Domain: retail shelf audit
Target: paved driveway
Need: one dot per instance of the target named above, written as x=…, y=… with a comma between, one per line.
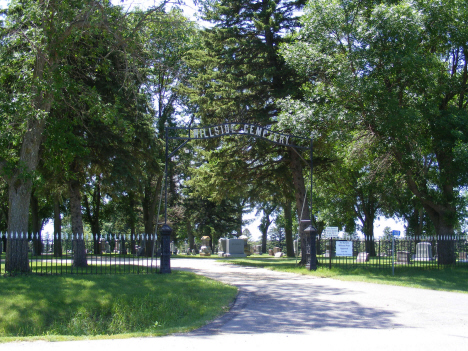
x=281, y=310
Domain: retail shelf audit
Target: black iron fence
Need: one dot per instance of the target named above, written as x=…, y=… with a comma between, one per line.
x=79, y=254
x=433, y=252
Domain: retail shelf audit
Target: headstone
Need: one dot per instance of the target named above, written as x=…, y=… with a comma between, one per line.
x=296, y=246
x=279, y=254
x=276, y=250
x=103, y=245
x=205, y=249
x=141, y=251
x=423, y=252
x=247, y=250
x=270, y=252
x=462, y=257
x=235, y=248
x=403, y=257
x=117, y=246
x=222, y=247
x=328, y=250
x=188, y=252
x=362, y=257
x=108, y=249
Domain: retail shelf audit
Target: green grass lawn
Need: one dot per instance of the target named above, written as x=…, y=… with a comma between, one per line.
x=448, y=279
x=96, y=306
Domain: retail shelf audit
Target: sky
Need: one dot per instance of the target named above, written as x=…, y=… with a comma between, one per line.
x=190, y=11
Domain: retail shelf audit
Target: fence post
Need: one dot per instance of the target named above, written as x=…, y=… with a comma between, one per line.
x=380, y=254
x=165, y=249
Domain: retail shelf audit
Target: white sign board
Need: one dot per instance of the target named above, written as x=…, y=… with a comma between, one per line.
x=330, y=232
x=344, y=248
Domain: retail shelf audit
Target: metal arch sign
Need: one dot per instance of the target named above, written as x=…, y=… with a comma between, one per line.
x=228, y=129
x=246, y=129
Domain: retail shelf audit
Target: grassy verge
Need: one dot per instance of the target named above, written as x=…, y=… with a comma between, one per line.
x=447, y=279
x=99, y=306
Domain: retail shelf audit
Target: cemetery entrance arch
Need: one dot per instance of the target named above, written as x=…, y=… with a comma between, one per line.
x=186, y=134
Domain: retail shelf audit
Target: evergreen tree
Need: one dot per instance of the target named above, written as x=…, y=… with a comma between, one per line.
x=239, y=76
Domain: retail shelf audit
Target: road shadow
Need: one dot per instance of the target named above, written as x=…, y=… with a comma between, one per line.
x=268, y=303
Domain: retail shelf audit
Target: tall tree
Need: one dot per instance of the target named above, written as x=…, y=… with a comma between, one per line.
x=397, y=70
x=239, y=74
x=40, y=39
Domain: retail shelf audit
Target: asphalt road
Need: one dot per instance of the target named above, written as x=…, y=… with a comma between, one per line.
x=281, y=310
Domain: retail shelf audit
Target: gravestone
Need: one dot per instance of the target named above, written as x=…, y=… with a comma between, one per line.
x=423, y=252
x=103, y=244
x=328, y=251
x=258, y=249
x=403, y=257
x=205, y=249
x=235, y=248
x=222, y=247
x=276, y=250
x=362, y=257
x=140, y=250
x=462, y=257
x=270, y=252
x=279, y=254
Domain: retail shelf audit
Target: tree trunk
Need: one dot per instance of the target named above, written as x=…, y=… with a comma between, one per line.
x=302, y=206
x=445, y=230
x=18, y=214
x=19, y=195
x=92, y=216
x=132, y=220
x=265, y=224
x=369, y=236
x=78, y=244
x=150, y=201
x=36, y=227
x=191, y=238
x=239, y=221
x=288, y=229
x=264, y=240
x=20, y=182
x=57, y=228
